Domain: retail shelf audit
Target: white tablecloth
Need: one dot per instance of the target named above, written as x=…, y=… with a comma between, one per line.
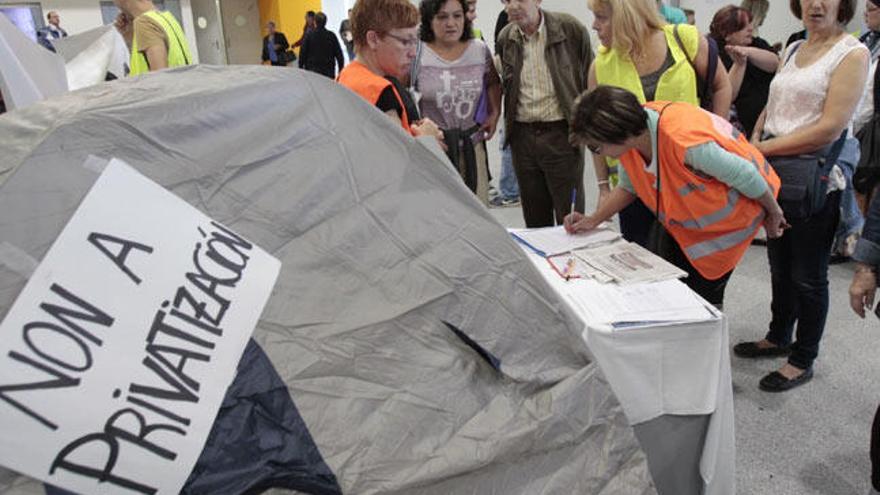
x=680, y=369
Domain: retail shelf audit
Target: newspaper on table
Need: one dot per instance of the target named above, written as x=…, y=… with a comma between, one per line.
x=628, y=263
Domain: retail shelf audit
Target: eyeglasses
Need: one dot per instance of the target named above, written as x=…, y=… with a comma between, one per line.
x=595, y=148
x=406, y=42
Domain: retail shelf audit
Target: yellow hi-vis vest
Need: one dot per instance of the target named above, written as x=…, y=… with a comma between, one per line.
x=178, y=50
x=677, y=83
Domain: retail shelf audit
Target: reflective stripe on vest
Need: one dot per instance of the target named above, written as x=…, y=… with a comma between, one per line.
x=178, y=49
x=678, y=82
x=705, y=220
x=724, y=242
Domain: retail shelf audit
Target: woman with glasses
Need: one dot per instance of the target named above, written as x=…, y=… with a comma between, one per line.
x=655, y=61
x=385, y=34
x=707, y=185
x=458, y=88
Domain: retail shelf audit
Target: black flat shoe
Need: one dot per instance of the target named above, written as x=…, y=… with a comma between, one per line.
x=751, y=350
x=759, y=241
x=777, y=382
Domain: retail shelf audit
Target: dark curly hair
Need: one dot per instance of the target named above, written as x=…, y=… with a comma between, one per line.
x=845, y=12
x=429, y=9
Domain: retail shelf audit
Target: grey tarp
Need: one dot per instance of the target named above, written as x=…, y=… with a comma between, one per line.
x=408, y=346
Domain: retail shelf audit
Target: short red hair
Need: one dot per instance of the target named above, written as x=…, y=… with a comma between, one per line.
x=381, y=16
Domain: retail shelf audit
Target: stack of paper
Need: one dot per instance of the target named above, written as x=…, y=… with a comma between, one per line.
x=653, y=304
x=555, y=240
x=628, y=263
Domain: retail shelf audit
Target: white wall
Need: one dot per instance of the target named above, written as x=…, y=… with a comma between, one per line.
x=81, y=15
x=778, y=24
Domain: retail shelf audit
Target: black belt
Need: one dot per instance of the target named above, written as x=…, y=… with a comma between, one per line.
x=458, y=141
x=547, y=125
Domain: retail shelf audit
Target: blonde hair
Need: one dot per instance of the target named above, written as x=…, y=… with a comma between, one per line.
x=632, y=21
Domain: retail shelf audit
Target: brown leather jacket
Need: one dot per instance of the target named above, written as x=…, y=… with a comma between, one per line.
x=568, y=56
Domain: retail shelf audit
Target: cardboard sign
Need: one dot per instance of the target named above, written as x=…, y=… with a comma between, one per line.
x=116, y=356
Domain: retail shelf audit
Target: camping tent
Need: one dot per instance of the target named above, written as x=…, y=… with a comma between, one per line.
x=408, y=346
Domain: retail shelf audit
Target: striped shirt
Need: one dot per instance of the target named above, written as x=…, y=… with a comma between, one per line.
x=537, y=97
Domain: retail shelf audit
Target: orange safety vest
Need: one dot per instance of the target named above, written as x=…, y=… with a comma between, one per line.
x=358, y=78
x=712, y=222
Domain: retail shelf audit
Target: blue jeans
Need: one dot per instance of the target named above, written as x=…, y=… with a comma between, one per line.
x=851, y=219
x=799, y=275
x=507, y=184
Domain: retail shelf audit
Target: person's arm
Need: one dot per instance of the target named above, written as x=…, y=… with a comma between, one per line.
x=765, y=60
x=493, y=88
x=844, y=92
x=721, y=90
x=302, y=38
x=157, y=57
x=281, y=42
x=152, y=42
x=340, y=58
x=758, y=131
x=739, y=174
x=737, y=70
x=587, y=56
x=867, y=257
x=619, y=199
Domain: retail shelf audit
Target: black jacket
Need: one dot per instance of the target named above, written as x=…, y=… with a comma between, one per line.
x=280, y=40
x=319, y=50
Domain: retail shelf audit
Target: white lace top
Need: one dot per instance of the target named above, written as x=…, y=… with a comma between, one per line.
x=797, y=94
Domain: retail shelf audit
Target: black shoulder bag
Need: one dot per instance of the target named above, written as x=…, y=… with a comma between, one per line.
x=704, y=85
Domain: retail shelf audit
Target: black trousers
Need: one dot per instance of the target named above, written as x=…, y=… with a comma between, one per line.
x=665, y=246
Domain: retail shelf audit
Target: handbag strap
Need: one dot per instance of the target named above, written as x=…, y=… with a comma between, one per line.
x=703, y=88
x=415, y=67
x=657, y=157
x=833, y=154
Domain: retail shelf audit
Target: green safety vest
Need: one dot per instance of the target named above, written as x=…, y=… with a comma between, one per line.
x=178, y=49
x=677, y=83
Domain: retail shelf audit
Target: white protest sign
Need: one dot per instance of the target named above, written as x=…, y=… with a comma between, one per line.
x=115, y=357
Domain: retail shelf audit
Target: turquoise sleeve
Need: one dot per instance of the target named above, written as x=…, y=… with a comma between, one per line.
x=735, y=171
